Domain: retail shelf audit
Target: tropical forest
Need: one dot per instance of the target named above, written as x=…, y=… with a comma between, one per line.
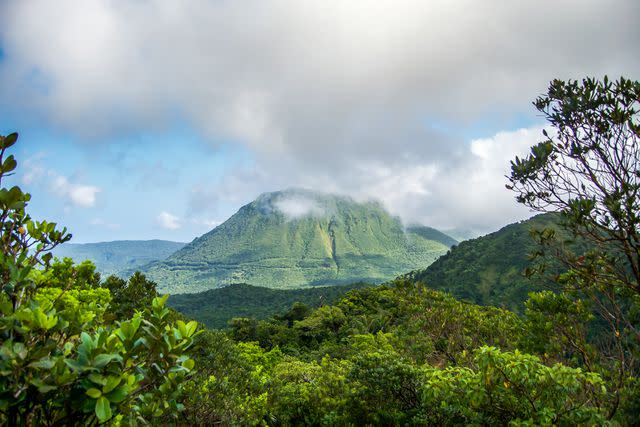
x=535, y=324
x=340, y=213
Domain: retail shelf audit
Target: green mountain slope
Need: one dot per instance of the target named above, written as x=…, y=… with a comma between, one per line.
x=488, y=270
x=118, y=256
x=298, y=238
x=217, y=306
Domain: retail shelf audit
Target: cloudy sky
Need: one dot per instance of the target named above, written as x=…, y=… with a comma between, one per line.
x=159, y=119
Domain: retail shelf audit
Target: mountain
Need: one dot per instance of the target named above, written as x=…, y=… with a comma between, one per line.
x=217, y=306
x=121, y=256
x=297, y=238
x=488, y=270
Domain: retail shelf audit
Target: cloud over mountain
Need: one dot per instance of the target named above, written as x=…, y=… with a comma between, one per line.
x=369, y=98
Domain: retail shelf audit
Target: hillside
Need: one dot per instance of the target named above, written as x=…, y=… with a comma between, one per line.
x=296, y=238
x=488, y=270
x=118, y=256
x=216, y=306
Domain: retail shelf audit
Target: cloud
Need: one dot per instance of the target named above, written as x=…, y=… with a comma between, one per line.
x=314, y=74
x=32, y=169
x=33, y=172
x=467, y=192
x=79, y=195
x=357, y=97
x=168, y=221
x=298, y=206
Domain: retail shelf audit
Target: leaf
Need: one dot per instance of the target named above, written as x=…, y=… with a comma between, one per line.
x=87, y=341
x=118, y=394
x=112, y=382
x=103, y=409
x=189, y=364
x=44, y=363
x=191, y=328
x=97, y=379
x=10, y=139
x=102, y=360
x=9, y=164
x=93, y=393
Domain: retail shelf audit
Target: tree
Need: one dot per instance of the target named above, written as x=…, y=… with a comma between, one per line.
x=588, y=168
x=130, y=296
x=61, y=363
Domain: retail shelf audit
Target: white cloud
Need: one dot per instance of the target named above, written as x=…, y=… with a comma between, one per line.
x=328, y=95
x=468, y=192
x=79, y=195
x=32, y=169
x=306, y=74
x=168, y=221
x=298, y=206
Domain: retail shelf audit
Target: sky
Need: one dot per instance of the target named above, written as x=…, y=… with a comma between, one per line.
x=159, y=119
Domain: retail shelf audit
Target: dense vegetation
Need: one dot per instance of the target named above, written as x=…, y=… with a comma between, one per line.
x=401, y=354
x=216, y=307
x=490, y=270
x=118, y=257
x=78, y=350
x=296, y=238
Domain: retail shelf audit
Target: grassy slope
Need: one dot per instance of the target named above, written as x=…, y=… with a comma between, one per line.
x=117, y=256
x=216, y=306
x=259, y=245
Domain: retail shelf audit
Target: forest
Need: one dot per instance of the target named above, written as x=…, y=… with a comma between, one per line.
x=77, y=348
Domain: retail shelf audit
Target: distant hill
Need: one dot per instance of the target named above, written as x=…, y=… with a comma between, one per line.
x=432, y=234
x=121, y=256
x=297, y=238
x=488, y=270
x=217, y=306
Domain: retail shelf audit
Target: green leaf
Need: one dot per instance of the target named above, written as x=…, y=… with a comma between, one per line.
x=191, y=328
x=97, y=379
x=118, y=394
x=112, y=382
x=9, y=140
x=103, y=409
x=87, y=341
x=94, y=393
x=189, y=364
x=9, y=164
x=102, y=360
x=44, y=363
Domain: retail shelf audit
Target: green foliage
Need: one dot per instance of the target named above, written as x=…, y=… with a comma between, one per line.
x=216, y=307
x=61, y=362
x=130, y=296
x=427, y=364
x=343, y=242
x=588, y=169
x=489, y=270
x=231, y=387
x=556, y=327
x=511, y=388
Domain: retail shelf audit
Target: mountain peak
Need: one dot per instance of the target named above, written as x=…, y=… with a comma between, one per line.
x=296, y=203
x=298, y=237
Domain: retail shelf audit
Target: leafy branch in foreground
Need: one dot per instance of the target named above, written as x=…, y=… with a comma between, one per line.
x=61, y=362
x=588, y=169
